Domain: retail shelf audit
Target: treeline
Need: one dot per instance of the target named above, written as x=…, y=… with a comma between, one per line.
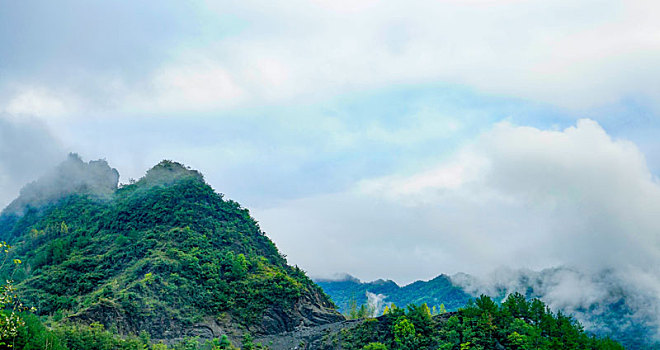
x=516, y=324
x=368, y=310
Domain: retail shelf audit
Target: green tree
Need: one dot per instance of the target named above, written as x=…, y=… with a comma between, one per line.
x=248, y=344
x=404, y=334
x=375, y=346
x=225, y=343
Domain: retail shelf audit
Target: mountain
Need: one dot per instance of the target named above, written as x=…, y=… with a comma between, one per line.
x=439, y=291
x=603, y=303
x=165, y=255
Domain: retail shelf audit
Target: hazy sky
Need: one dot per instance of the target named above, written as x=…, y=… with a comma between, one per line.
x=380, y=138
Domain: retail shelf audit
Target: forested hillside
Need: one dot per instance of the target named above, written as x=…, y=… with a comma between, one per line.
x=165, y=255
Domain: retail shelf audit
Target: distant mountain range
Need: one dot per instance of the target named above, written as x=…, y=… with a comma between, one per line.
x=437, y=292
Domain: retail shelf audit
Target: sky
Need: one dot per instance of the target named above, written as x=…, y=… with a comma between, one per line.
x=385, y=139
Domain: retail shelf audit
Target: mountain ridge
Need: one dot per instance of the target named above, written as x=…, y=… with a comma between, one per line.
x=437, y=292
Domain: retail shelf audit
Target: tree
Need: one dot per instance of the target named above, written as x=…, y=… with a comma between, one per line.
x=517, y=306
x=225, y=343
x=404, y=334
x=247, y=342
x=386, y=310
x=421, y=318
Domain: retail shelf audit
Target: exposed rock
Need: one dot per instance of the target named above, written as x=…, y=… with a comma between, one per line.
x=309, y=311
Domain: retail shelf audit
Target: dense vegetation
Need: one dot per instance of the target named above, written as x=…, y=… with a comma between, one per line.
x=157, y=255
x=482, y=324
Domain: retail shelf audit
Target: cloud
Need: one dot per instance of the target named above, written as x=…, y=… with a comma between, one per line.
x=27, y=150
x=514, y=200
x=36, y=101
x=570, y=54
x=596, y=194
x=586, y=54
x=71, y=176
x=516, y=196
x=194, y=85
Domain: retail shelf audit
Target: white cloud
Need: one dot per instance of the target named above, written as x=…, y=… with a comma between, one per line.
x=192, y=85
x=574, y=54
x=571, y=54
x=418, y=188
x=609, y=302
x=516, y=196
x=38, y=101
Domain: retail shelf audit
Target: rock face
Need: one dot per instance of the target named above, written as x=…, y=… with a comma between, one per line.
x=309, y=311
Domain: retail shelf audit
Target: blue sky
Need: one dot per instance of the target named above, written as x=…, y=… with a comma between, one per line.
x=354, y=129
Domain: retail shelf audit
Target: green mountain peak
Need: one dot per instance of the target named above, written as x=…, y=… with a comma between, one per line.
x=166, y=255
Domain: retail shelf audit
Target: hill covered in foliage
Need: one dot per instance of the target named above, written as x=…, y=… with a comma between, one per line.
x=166, y=255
